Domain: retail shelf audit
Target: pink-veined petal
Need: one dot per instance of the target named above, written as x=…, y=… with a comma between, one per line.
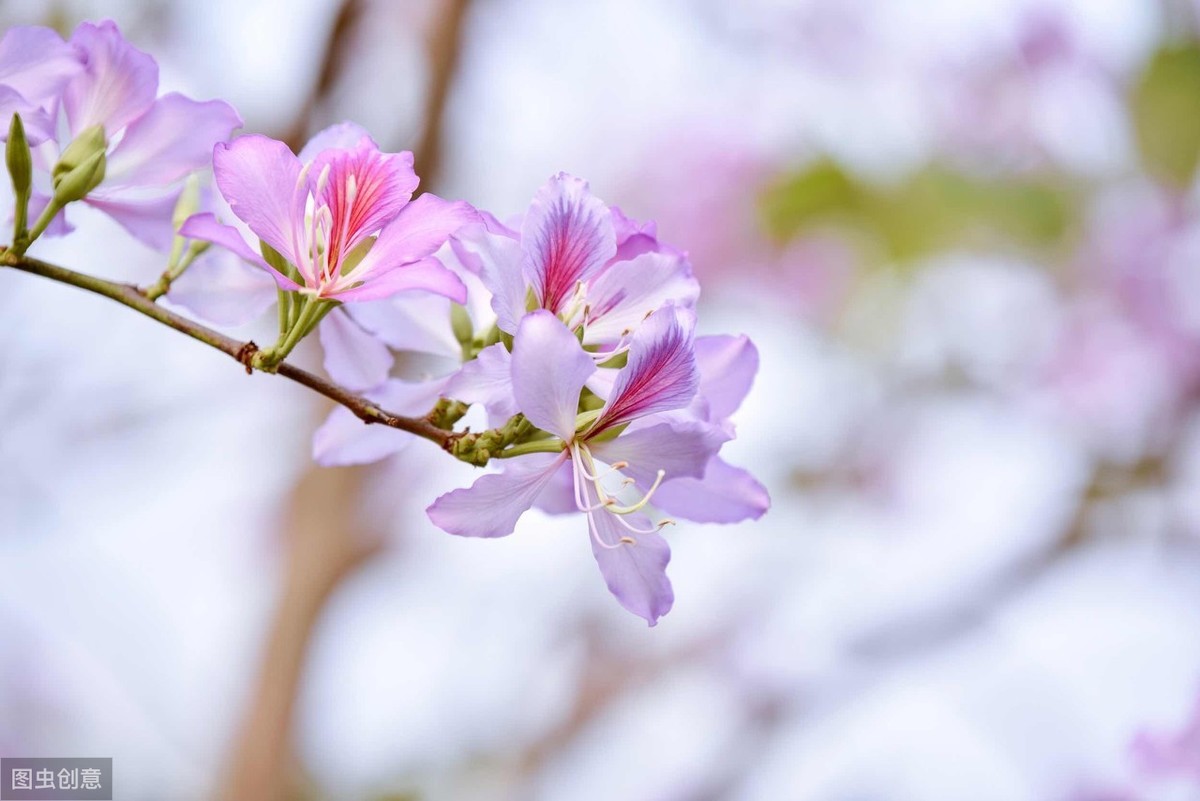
x=206, y=228
x=487, y=379
x=364, y=190
x=726, y=494
x=427, y=275
x=173, y=138
x=345, y=440
x=549, y=369
x=353, y=357
x=258, y=178
x=636, y=573
x=148, y=220
x=492, y=505
x=566, y=237
x=118, y=82
x=223, y=289
x=622, y=296
x=35, y=62
x=660, y=374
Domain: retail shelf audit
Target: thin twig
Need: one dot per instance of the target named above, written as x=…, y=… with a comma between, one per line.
x=243, y=352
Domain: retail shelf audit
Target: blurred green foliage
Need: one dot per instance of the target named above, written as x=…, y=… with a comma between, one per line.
x=931, y=209
x=1165, y=106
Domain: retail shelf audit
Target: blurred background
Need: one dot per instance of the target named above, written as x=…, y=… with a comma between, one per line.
x=964, y=235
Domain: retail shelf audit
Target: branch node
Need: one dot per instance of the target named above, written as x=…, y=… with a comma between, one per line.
x=245, y=355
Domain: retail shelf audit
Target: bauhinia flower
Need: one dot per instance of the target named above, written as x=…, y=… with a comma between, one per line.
x=125, y=151
x=549, y=373
x=335, y=224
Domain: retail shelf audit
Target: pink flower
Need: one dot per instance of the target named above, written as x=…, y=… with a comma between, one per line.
x=340, y=215
x=35, y=64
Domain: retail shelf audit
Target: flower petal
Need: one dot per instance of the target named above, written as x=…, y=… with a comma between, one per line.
x=678, y=448
x=417, y=231
x=487, y=379
x=353, y=357
x=494, y=503
x=149, y=221
x=621, y=297
x=727, y=367
x=636, y=573
x=414, y=321
x=35, y=62
x=117, y=85
x=726, y=494
x=175, y=137
x=38, y=124
x=566, y=237
x=661, y=372
x=427, y=275
x=258, y=177
x=345, y=440
x=206, y=228
x=221, y=288
x=339, y=136
x=633, y=238
x=497, y=259
x=549, y=369
x=59, y=226
x=364, y=190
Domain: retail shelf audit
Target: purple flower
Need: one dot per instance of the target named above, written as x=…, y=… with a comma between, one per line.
x=35, y=65
x=588, y=264
x=340, y=215
x=549, y=370
x=148, y=144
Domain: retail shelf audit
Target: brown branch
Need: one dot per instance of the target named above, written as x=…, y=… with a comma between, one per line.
x=333, y=64
x=134, y=298
x=444, y=49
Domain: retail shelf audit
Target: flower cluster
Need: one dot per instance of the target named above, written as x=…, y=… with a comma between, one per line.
x=574, y=328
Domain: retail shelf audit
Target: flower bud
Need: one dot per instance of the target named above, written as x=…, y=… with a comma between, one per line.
x=76, y=184
x=83, y=149
x=18, y=158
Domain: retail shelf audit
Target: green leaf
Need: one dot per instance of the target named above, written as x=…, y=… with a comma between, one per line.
x=1166, y=113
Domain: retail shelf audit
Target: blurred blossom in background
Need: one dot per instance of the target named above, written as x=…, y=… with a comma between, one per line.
x=965, y=237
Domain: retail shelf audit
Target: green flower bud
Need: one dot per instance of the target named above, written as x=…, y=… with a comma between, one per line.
x=76, y=184
x=83, y=149
x=18, y=158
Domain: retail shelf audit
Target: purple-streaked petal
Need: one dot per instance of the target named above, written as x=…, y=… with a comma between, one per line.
x=221, y=288
x=567, y=236
x=427, y=275
x=206, y=228
x=621, y=297
x=364, y=190
x=35, y=62
x=353, y=357
x=726, y=494
x=117, y=85
x=661, y=373
x=487, y=379
x=175, y=137
x=636, y=573
x=727, y=367
x=494, y=503
x=345, y=440
x=258, y=178
x=339, y=136
x=679, y=449
x=148, y=220
x=497, y=258
x=549, y=369
x=417, y=232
